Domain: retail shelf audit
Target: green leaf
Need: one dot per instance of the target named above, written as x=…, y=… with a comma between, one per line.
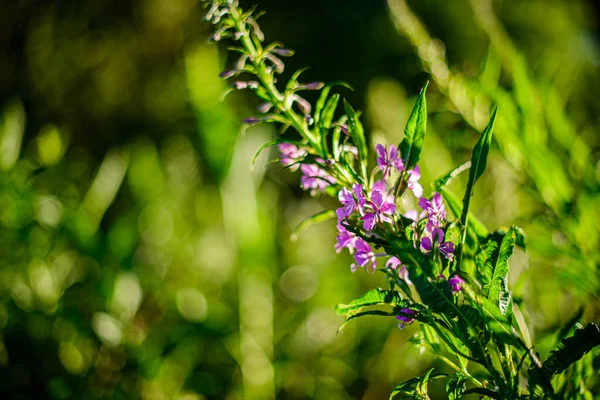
x=319, y=217
x=358, y=136
x=407, y=387
x=323, y=124
x=320, y=107
x=493, y=267
x=499, y=324
x=569, y=351
x=264, y=146
x=291, y=85
x=478, y=164
x=414, y=132
x=371, y=298
x=456, y=386
x=367, y=312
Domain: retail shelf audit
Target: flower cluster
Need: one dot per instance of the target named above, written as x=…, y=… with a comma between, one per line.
x=428, y=282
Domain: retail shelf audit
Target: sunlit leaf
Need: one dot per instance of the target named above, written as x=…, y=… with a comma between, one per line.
x=414, y=132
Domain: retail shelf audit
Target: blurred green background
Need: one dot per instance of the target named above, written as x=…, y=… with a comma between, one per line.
x=142, y=257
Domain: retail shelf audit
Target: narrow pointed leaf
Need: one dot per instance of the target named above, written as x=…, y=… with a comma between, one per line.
x=264, y=146
x=320, y=107
x=371, y=298
x=414, y=132
x=358, y=136
x=478, y=164
x=315, y=219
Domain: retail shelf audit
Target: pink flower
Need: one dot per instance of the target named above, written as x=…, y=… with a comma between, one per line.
x=456, y=283
x=406, y=317
x=435, y=210
x=291, y=155
x=435, y=239
x=388, y=160
x=377, y=210
x=365, y=257
x=349, y=203
x=345, y=239
x=315, y=178
x=413, y=181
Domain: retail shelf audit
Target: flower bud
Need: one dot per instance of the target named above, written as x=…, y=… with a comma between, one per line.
x=264, y=107
x=303, y=105
x=283, y=52
x=227, y=74
x=252, y=120
x=313, y=86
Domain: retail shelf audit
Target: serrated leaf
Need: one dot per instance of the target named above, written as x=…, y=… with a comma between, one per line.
x=315, y=219
x=493, y=267
x=478, y=164
x=414, y=132
x=456, y=386
x=568, y=352
x=500, y=324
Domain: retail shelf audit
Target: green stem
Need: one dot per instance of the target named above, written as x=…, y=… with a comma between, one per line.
x=267, y=81
x=461, y=370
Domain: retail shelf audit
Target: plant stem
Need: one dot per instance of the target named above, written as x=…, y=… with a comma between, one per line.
x=461, y=370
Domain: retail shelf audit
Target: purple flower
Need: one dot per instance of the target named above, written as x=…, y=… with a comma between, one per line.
x=434, y=208
x=413, y=181
x=290, y=155
x=349, y=205
x=387, y=160
x=345, y=239
x=406, y=317
x=365, y=257
x=393, y=263
x=377, y=210
x=456, y=283
x=315, y=178
x=436, y=237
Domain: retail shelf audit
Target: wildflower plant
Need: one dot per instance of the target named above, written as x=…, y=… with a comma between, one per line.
x=445, y=270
